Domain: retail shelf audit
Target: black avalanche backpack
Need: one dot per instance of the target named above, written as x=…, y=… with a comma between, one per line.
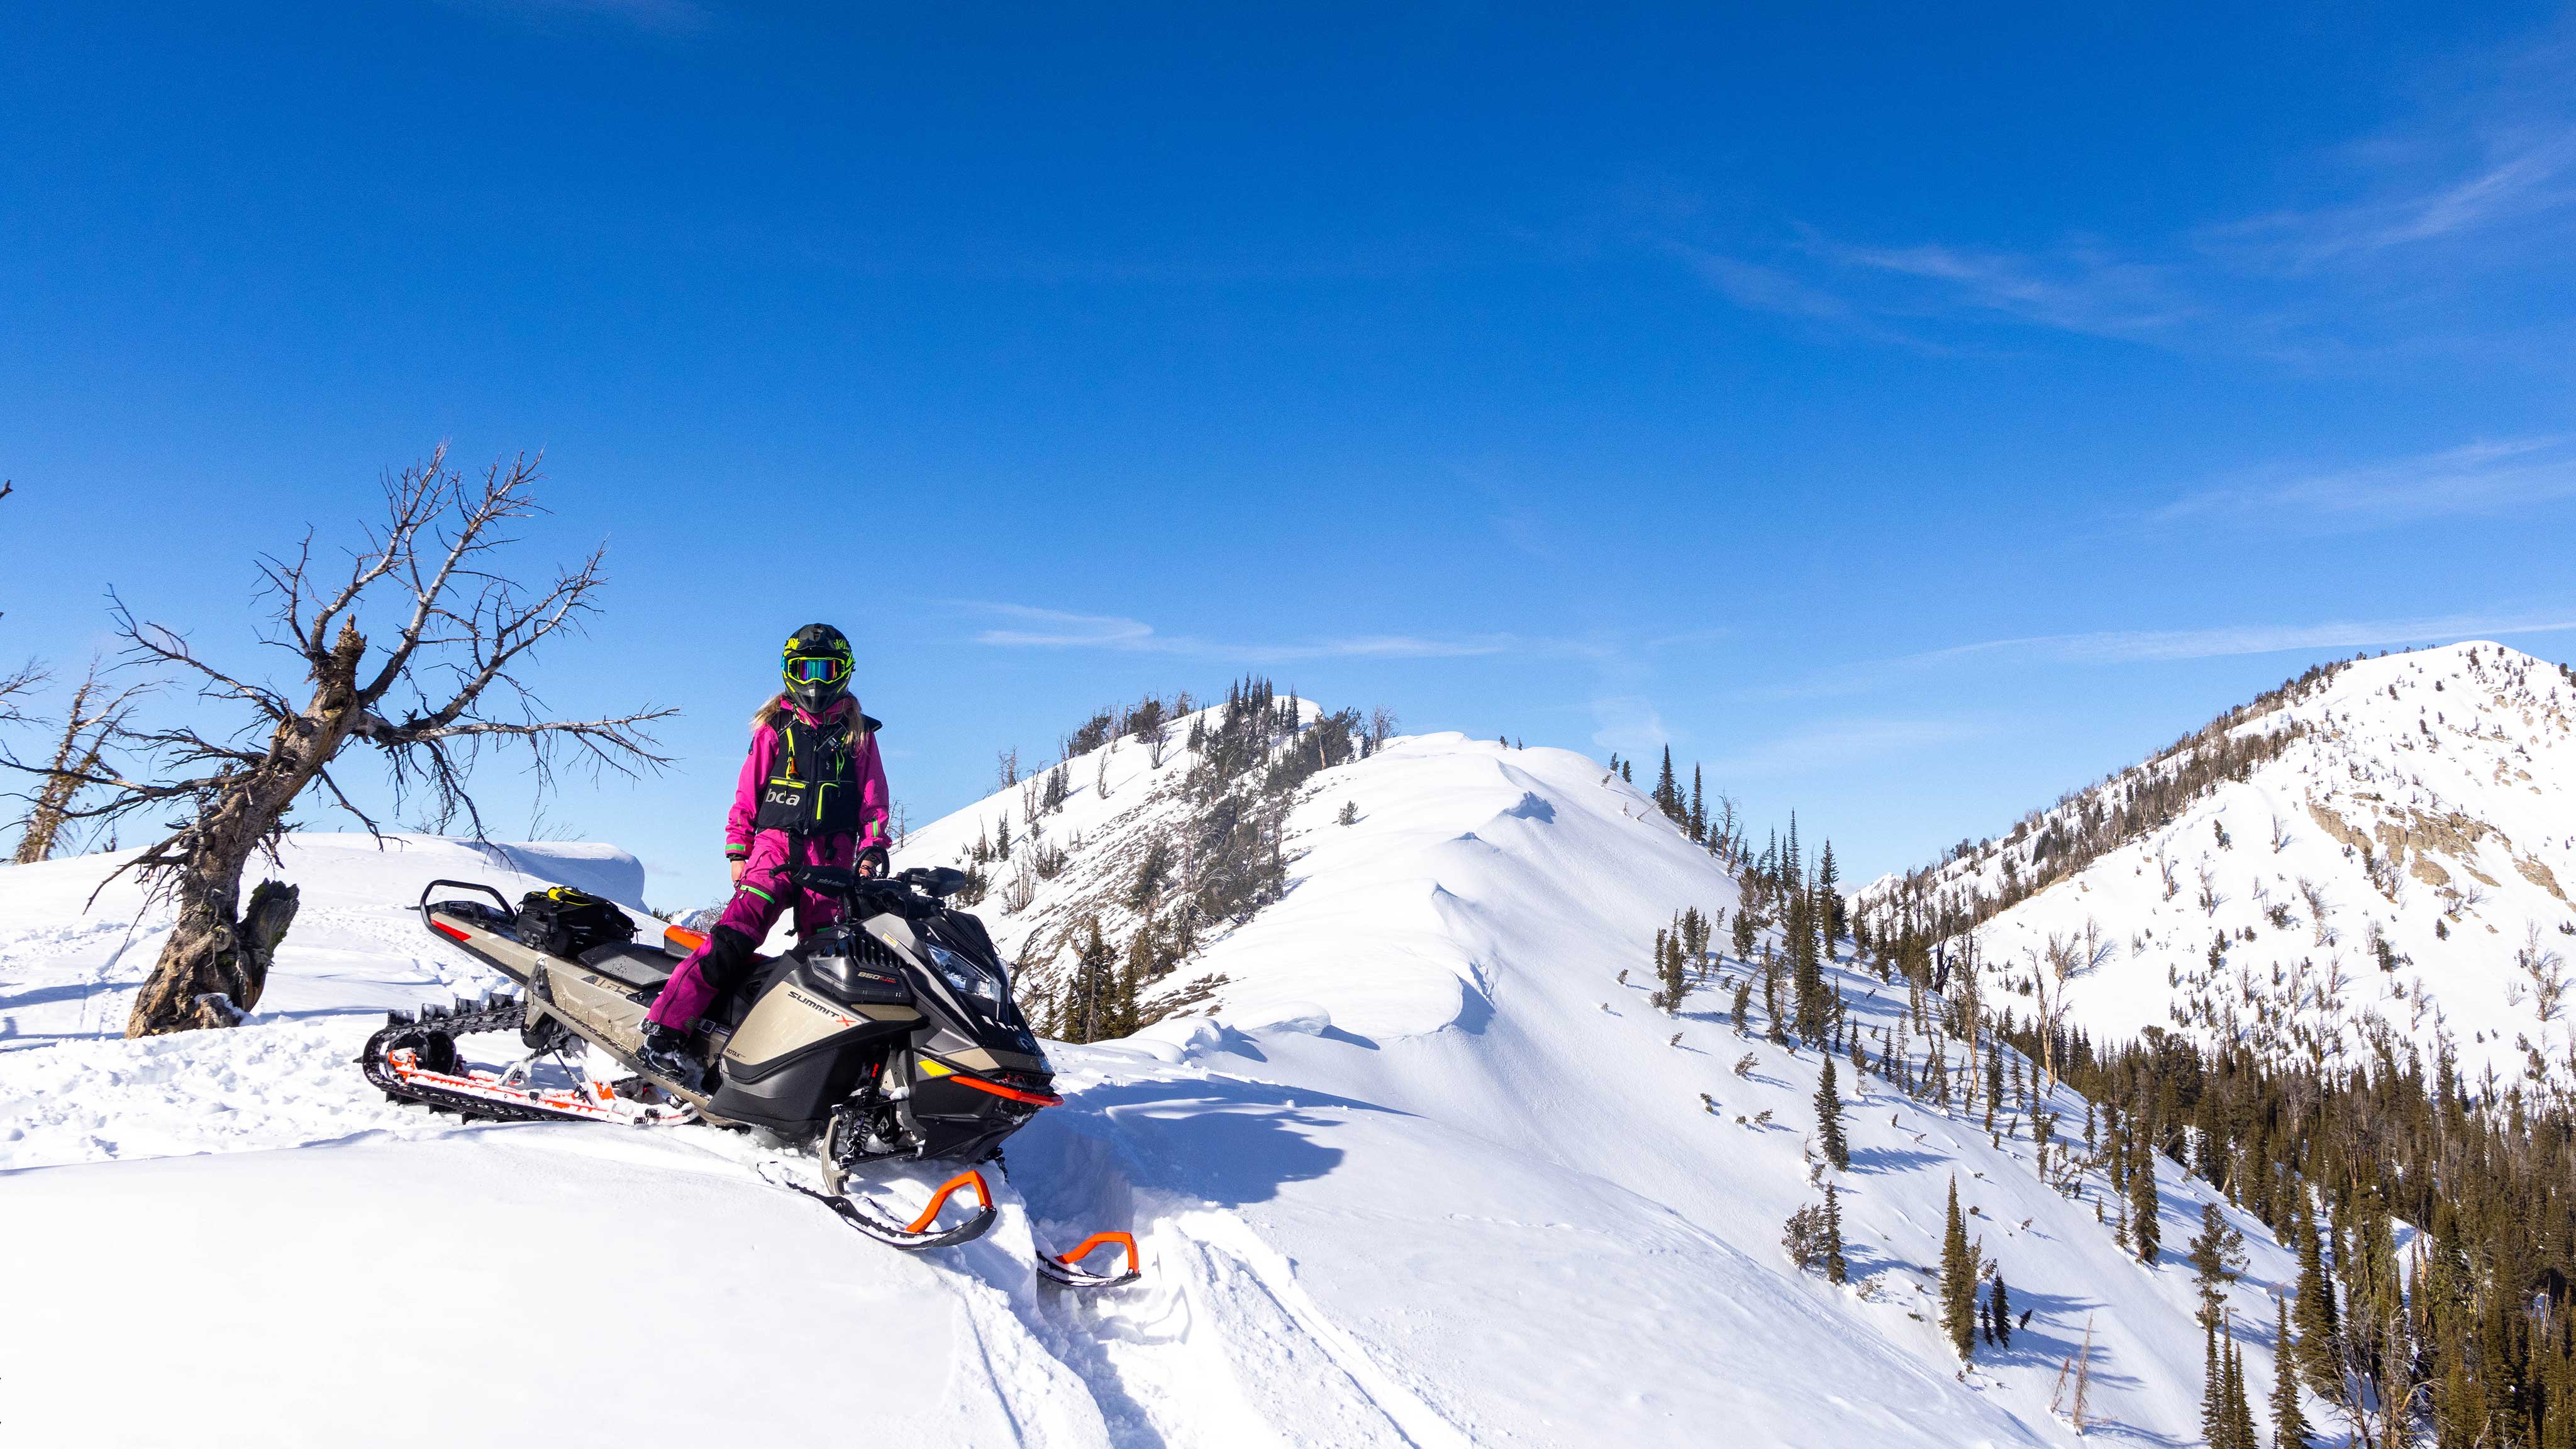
x=565, y=922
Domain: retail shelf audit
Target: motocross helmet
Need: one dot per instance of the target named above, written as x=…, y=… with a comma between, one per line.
x=816, y=666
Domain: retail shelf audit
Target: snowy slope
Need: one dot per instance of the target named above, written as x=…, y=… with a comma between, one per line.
x=1429, y=1174
x=2430, y=801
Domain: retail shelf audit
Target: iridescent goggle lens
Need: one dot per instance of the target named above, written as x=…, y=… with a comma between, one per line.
x=817, y=670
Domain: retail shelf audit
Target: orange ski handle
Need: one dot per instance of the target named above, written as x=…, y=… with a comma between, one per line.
x=969, y=1178
x=1097, y=1241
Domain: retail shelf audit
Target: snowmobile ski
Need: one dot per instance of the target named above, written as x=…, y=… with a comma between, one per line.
x=922, y=1232
x=1066, y=1269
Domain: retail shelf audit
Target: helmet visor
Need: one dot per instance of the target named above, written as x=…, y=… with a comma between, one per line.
x=817, y=669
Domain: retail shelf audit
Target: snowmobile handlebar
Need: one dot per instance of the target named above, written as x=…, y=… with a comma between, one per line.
x=831, y=880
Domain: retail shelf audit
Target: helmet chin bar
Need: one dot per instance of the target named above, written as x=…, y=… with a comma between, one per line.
x=816, y=698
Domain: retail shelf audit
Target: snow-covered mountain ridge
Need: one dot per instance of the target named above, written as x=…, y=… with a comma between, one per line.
x=2384, y=856
x=1421, y=1168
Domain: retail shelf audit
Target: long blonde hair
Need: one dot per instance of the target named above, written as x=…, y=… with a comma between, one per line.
x=768, y=715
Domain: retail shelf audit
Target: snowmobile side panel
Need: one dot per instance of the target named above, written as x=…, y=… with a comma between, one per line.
x=790, y=1019
x=600, y=1004
x=794, y=1097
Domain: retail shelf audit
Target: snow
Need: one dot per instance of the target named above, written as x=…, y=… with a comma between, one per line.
x=1426, y=1173
x=2468, y=769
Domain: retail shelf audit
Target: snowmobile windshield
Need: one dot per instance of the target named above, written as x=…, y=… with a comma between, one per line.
x=966, y=976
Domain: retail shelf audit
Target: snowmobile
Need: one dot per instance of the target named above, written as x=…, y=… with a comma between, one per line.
x=889, y=1035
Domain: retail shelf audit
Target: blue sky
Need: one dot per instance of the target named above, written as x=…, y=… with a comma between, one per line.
x=1909, y=415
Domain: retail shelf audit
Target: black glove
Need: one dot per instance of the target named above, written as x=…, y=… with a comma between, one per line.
x=872, y=862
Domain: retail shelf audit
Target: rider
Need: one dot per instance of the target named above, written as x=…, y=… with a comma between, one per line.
x=812, y=792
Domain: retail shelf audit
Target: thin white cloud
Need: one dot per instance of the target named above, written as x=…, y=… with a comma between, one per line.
x=1035, y=628
x=2081, y=288
x=2480, y=184
x=2481, y=478
x=2536, y=176
x=1629, y=725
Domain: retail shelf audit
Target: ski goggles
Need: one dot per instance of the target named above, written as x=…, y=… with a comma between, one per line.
x=817, y=669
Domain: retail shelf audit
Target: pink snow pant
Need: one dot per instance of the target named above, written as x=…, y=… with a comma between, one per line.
x=715, y=967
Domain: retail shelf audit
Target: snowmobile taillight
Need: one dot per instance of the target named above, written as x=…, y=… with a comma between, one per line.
x=681, y=941
x=453, y=933
x=1098, y=1241
x=969, y=1178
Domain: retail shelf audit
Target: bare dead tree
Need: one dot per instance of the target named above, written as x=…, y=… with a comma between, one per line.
x=94, y=716
x=15, y=687
x=2067, y=959
x=464, y=635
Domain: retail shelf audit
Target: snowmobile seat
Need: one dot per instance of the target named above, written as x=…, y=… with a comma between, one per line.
x=644, y=968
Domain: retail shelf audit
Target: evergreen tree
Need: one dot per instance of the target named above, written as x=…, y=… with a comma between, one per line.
x=1743, y=1008
x=2144, y=1231
x=1772, y=1027
x=2240, y=1413
x=1672, y=964
x=1139, y=969
x=2214, y=1426
x=2289, y=1425
x=1958, y=1281
x=1097, y=968
x=1829, y=1119
x=1829, y=901
x=2217, y=1256
x=2318, y=1361
x=1698, y=810
x=1668, y=791
x=2000, y=1302
x=1835, y=1271
x=1994, y=1079
x=1807, y=979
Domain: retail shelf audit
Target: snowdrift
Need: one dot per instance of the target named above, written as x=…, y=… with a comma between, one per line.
x=1422, y=1170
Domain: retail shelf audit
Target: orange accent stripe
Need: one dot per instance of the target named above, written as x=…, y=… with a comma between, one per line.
x=969, y=1178
x=684, y=938
x=1097, y=1241
x=1041, y=1099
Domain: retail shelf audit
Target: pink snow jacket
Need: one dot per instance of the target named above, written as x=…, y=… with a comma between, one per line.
x=764, y=851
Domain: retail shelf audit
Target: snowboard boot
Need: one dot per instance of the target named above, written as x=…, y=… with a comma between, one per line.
x=665, y=1054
